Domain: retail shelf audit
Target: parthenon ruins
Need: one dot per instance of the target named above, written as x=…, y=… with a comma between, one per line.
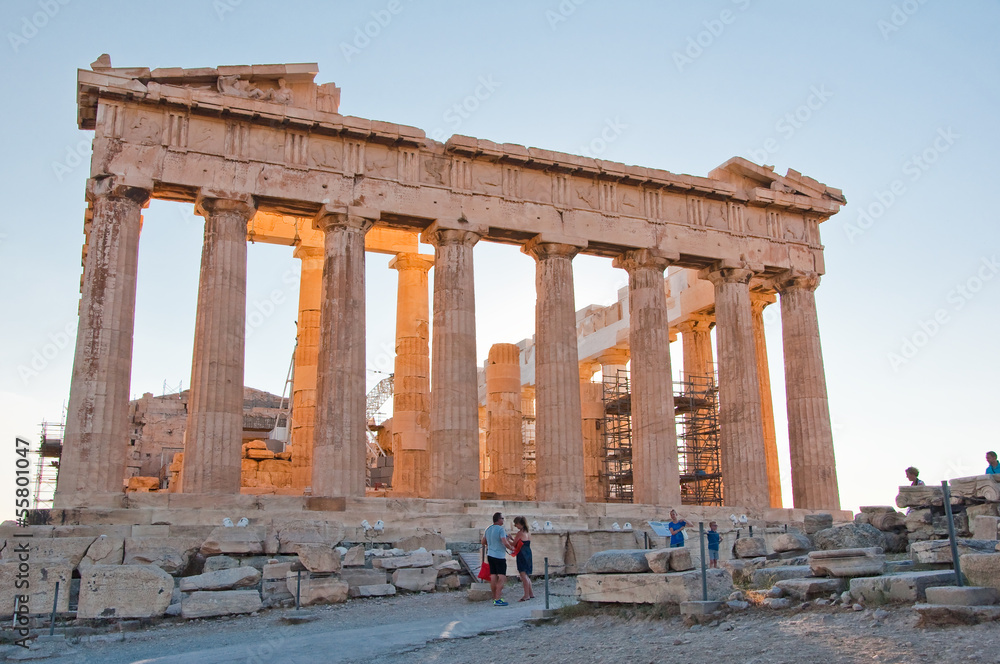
x=261, y=151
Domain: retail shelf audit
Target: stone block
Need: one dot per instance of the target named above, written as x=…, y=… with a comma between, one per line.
x=963, y=595
x=920, y=496
x=849, y=536
x=140, y=483
x=938, y=552
x=69, y=550
x=451, y=582
x=276, y=570
x=223, y=579
x=415, y=579
x=378, y=590
x=658, y=560
x=581, y=545
x=42, y=578
x=750, y=547
x=355, y=557
x=699, y=608
x=441, y=556
x=742, y=571
x=868, y=561
x=620, y=561
x=918, y=519
x=319, y=558
x=777, y=603
x=206, y=604
x=480, y=592
x=423, y=539
x=811, y=588
x=318, y=590
x=986, y=509
x=877, y=509
x=768, y=576
x=449, y=568
x=259, y=454
x=215, y=563
x=814, y=523
x=905, y=587
x=555, y=547
x=234, y=541
x=985, y=527
x=124, y=591
x=651, y=588
x=786, y=542
x=416, y=559
x=937, y=615
x=171, y=554
x=304, y=531
x=104, y=551
x=363, y=577
x=680, y=560
x=982, y=569
x=888, y=521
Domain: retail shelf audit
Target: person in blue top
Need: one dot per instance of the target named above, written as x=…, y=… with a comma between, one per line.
x=714, y=538
x=676, y=527
x=994, y=467
x=497, y=544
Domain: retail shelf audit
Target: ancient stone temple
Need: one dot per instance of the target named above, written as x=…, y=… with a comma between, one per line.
x=262, y=150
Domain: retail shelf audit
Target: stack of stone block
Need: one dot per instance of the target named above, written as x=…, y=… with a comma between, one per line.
x=262, y=468
x=971, y=497
x=640, y=576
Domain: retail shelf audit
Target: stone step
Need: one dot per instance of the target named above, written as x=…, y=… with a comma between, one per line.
x=963, y=596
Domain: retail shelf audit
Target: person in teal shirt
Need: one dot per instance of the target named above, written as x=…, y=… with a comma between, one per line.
x=994, y=467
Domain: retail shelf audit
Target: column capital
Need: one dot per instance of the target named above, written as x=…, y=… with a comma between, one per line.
x=349, y=217
x=730, y=272
x=614, y=356
x=114, y=187
x=211, y=202
x=790, y=280
x=700, y=324
x=438, y=236
x=588, y=369
x=654, y=258
x=304, y=251
x=410, y=261
x=759, y=299
x=545, y=245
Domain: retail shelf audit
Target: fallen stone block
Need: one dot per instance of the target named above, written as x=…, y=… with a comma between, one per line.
x=124, y=591
x=355, y=557
x=985, y=527
x=921, y=496
x=648, y=588
x=104, y=551
x=41, y=579
x=982, y=569
x=680, y=560
x=937, y=615
x=379, y=590
x=171, y=554
x=963, y=596
x=788, y=542
x=658, y=560
x=450, y=568
x=814, y=523
x=318, y=590
x=319, y=558
x=415, y=579
x=479, y=592
x=617, y=561
x=206, y=604
x=416, y=559
x=441, y=556
x=750, y=547
x=223, y=579
x=848, y=562
x=699, y=608
x=811, y=588
x=302, y=531
x=234, y=541
x=768, y=576
x=445, y=583
x=68, y=550
x=939, y=551
x=849, y=536
x=905, y=587
x=426, y=540
x=215, y=563
x=363, y=577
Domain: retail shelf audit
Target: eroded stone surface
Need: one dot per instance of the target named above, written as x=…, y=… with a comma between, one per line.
x=124, y=591
x=104, y=551
x=320, y=558
x=652, y=588
x=848, y=562
x=234, y=541
x=206, y=604
x=224, y=579
x=319, y=590
x=905, y=587
x=621, y=561
x=415, y=579
x=171, y=554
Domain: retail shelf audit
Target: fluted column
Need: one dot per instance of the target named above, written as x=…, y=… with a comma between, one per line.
x=810, y=435
x=504, y=441
x=758, y=301
x=612, y=361
x=339, y=446
x=558, y=438
x=214, y=431
x=592, y=408
x=696, y=337
x=306, y=360
x=655, y=473
x=411, y=395
x=97, y=422
x=744, y=466
x=454, y=438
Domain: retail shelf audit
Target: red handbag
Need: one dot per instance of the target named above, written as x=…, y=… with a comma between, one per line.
x=517, y=547
x=484, y=571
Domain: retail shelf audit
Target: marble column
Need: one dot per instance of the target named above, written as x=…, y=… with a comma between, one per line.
x=411, y=395
x=306, y=360
x=612, y=361
x=504, y=440
x=810, y=434
x=592, y=409
x=97, y=422
x=214, y=435
x=744, y=466
x=454, y=437
x=758, y=301
x=655, y=473
x=696, y=340
x=339, y=440
x=558, y=438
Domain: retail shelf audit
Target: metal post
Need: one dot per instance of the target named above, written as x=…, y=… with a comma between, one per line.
x=951, y=532
x=546, y=584
x=55, y=603
x=645, y=540
x=298, y=588
x=704, y=572
x=751, y=530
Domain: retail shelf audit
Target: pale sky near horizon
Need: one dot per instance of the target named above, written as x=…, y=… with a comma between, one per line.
x=894, y=102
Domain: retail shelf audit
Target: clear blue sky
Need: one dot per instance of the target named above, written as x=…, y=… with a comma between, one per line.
x=902, y=118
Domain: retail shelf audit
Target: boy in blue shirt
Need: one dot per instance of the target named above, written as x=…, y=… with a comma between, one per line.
x=714, y=537
x=676, y=527
x=994, y=467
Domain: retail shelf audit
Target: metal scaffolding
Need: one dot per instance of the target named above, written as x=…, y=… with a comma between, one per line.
x=376, y=398
x=47, y=457
x=618, y=437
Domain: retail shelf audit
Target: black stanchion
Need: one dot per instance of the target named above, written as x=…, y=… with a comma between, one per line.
x=55, y=603
x=704, y=571
x=951, y=533
x=546, y=584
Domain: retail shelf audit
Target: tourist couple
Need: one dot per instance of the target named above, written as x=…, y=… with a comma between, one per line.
x=498, y=544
